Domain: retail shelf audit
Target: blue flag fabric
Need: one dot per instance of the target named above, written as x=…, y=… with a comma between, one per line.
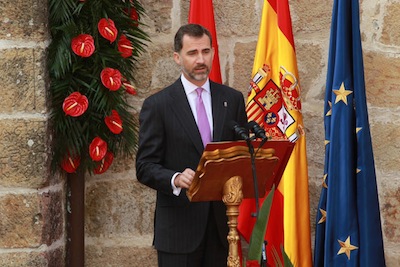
x=348, y=225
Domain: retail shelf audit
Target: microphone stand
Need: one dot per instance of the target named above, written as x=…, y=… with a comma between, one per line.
x=253, y=169
x=256, y=193
x=241, y=132
x=254, y=173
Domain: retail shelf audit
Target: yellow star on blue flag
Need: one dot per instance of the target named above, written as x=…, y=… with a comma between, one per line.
x=346, y=247
x=341, y=94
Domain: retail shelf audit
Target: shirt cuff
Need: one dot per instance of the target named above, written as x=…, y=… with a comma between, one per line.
x=175, y=190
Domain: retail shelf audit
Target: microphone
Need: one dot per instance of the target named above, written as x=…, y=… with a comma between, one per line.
x=244, y=134
x=257, y=130
x=239, y=131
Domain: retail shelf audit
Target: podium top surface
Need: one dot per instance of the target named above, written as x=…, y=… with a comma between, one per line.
x=223, y=160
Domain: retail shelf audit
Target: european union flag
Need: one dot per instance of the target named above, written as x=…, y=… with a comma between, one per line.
x=348, y=225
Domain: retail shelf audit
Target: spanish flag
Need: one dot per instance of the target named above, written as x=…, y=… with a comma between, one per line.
x=202, y=12
x=274, y=103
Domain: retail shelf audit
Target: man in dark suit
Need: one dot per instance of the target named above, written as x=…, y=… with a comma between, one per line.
x=170, y=146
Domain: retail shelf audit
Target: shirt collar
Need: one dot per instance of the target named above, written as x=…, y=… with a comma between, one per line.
x=190, y=87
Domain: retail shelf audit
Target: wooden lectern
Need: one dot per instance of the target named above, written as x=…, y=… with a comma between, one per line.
x=225, y=173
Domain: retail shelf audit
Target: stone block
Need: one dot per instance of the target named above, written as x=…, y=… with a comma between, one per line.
x=157, y=69
x=29, y=220
x=22, y=71
x=21, y=221
x=243, y=65
x=313, y=126
x=184, y=11
x=23, y=259
x=311, y=18
x=52, y=205
x=23, y=159
x=56, y=257
x=311, y=68
x=227, y=21
x=390, y=28
x=386, y=144
x=119, y=208
x=120, y=164
x=35, y=258
x=392, y=255
x=314, y=192
x=23, y=20
x=236, y=18
x=381, y=79
x=157, y=17
x=121, y=255
x=314, y=130
x=390, y=210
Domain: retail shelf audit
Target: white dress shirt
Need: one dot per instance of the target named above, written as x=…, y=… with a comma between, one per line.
x=190, y=90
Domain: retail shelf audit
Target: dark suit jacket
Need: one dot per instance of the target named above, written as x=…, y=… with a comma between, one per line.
x=169, y=142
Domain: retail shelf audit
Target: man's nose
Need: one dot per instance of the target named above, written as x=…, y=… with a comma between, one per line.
x=200, y=58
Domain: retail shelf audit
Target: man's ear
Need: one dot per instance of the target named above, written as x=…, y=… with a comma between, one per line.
x=177, y=58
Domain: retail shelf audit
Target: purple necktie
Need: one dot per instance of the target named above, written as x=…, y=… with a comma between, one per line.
x=202, y=121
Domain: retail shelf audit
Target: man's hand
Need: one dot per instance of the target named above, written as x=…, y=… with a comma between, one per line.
x=184, y=179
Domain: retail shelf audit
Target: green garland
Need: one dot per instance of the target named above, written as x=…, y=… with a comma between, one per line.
x=92, y=62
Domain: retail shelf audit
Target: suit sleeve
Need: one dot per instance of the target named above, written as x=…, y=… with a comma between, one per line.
x=149, y=158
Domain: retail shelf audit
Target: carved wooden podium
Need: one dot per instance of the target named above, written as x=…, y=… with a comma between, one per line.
x=225, y=173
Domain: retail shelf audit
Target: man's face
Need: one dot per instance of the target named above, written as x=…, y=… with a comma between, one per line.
x=195, y=58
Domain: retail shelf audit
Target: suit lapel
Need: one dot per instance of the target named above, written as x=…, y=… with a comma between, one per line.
x=219, y=106
x=183, y=114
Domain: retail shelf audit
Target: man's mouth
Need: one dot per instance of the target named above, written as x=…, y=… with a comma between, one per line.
x=202, y=67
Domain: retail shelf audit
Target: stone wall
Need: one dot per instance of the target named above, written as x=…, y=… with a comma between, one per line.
x=31, y=202
x=119, y=210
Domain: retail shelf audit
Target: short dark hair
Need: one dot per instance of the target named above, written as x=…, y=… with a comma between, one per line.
x=193, y=30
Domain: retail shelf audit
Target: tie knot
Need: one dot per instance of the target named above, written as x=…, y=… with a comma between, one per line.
x=199, y=91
